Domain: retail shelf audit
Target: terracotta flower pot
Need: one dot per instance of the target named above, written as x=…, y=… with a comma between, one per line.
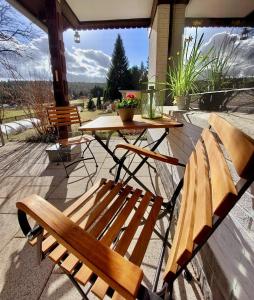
x=182, y=102
x=126, y=114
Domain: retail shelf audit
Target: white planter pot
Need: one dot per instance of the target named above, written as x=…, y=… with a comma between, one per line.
x=182, y=102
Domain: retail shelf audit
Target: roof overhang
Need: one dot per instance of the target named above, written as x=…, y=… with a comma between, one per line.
x=226, y=13
x=98, y=14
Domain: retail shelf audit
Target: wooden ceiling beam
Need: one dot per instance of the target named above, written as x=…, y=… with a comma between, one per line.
x=110, y=24
x=71, y=20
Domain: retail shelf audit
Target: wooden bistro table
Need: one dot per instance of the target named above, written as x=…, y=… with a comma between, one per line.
x=114, y=124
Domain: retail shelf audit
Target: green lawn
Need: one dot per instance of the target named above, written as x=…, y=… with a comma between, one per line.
x=13, y=112
x=85, y=116
x=16, y=112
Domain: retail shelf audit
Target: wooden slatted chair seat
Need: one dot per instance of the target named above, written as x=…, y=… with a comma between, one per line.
x=76, y=140
x=87, y=240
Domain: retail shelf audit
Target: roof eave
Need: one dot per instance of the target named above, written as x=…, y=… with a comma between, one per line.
x=28, y=14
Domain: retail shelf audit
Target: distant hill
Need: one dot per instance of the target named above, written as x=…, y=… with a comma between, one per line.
x=10, y=90
x=84, y=87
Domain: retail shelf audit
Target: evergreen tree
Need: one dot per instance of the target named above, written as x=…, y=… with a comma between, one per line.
x=135, y=77
x=90, y=104
x=96, y=91
x=118, y=75
x=139, y=77
x=98, y=104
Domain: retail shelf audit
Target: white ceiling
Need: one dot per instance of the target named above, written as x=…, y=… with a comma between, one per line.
x=219, y=8
x=95, y=10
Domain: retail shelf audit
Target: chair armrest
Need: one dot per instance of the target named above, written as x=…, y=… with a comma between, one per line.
x=118, y=272
x=149, y=153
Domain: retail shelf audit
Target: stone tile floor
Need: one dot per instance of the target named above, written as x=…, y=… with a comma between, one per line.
x=25, y=169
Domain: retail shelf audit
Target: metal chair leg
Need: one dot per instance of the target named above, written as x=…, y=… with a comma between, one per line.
x=88, y=146
x=81, y=292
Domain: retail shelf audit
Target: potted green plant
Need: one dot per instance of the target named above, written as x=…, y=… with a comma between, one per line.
x=185, y=70
x=126, y=108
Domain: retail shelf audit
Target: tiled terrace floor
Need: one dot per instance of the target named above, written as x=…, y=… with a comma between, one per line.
x=25, y=169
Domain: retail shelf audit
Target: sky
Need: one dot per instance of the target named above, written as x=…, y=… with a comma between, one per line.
x=89, y=61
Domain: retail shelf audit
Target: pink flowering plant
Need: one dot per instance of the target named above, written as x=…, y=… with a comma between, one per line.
x=129, y=102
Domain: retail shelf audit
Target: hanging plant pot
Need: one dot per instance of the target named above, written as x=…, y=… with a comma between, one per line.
x=182, y=102
x=126, y=114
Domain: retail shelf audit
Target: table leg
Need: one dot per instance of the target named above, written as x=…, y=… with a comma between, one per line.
x=117, y=160
x=125, y=139
x=138, y=138
x=155, y=146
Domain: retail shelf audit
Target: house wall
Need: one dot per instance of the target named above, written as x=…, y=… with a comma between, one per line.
x=158, y=44
x=225, y=266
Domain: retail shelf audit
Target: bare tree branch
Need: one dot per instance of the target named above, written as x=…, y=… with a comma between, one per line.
x=13, y=34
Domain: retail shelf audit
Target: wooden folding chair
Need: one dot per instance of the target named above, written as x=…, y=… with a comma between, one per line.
x=90, y=239
x=65, y=116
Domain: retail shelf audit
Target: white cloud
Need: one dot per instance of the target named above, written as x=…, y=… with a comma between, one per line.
x=242, y=64
x=82, y=64
x=87, y=64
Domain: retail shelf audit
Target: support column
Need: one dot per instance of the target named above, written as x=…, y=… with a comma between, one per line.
x=158, y=44
x=176, y=28
x=165, y=39
x=56, y=48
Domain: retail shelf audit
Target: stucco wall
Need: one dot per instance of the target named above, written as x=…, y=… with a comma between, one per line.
x=225, y=266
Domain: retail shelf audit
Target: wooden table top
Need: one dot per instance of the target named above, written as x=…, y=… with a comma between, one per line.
x=115, y=123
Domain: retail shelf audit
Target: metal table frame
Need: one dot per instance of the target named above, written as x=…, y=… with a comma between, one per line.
x=120, y=161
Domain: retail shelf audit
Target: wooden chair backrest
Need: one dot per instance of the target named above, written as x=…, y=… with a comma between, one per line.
x=209, y=192
x=63, y=116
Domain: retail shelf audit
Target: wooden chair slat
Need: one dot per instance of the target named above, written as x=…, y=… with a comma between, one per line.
x=50, y=241
x=102, y=205
x=61, y=107
x=100, y=287
x=186, y=241
x=107, y=216
x=64, y=119
x=72, y=208
x=129, y=232
x=58, y=114
x=143, y=240
x=239, y=146
x=66, y=123
x=63, y=110
x=90, y=218
x=59, y=251
x=171, y=266
x=84, y=274
x=100, y=188
x=224, y=193
x=113, y=231
x=203, y=210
